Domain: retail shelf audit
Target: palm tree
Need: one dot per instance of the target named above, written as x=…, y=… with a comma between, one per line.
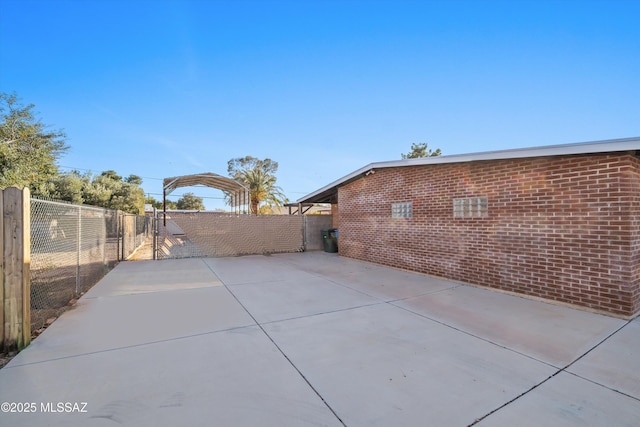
x=262, y=189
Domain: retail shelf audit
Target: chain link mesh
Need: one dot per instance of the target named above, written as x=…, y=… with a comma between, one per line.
x=72, y=248
x=136, y=231
x=200, y=234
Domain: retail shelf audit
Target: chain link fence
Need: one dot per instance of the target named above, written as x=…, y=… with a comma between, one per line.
x=72, y=248
x=136, y=231
x=184, y=234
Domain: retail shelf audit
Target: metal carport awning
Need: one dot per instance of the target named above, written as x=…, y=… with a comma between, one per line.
x=238, y=192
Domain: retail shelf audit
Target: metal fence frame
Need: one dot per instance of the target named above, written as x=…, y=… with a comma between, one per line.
x=136, y=229
x=188, y=234
x=72, y=248
x=53, y=252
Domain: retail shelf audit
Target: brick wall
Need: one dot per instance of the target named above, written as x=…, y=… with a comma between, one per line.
x=563, y=228
x=632, y=181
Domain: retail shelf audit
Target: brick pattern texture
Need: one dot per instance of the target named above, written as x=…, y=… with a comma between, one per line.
x=563, y=228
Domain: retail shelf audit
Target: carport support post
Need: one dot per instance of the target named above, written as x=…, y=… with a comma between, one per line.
x=164, y=206
x=79, y=250
x=16, y=262
x=304, y=229
x=124, y=233
x=155, y=234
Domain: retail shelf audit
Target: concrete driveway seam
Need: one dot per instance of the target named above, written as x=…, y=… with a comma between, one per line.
x=602, y=385
x=473, y=335
x=395, y=299
x=356, y=289
x=304, y=378
x=320, y=314
x=564, y=369
x=144, y=344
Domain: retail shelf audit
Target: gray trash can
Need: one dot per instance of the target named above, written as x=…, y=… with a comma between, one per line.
x=330, y=240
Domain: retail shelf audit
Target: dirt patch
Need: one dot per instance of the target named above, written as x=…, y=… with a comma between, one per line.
x=144, y=252
x=6, y=356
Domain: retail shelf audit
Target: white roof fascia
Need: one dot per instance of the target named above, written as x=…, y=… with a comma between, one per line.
x=612, y=145
x=339, y=181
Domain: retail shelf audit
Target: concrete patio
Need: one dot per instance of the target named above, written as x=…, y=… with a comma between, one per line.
x=317, y=339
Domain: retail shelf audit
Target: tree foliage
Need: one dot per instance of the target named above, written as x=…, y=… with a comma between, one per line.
x=111, y=191
x=190, y=202
x=171, y=205
x=108, y=190
x=259, y=176
x=69, y=187
x=28, y=149
x=235, y=167
x=421, y=150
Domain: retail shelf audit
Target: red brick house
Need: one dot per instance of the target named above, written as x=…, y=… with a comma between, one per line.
x=560, y=222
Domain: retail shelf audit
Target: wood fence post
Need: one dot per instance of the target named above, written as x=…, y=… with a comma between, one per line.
x=2, y=318
x=16, y=262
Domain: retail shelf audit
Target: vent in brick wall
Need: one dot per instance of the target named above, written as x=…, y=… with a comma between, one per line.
x=471, y=207
x=402, y=210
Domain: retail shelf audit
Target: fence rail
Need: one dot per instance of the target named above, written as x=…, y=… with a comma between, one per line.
x=196, y=234
x=67, y=249
x=184, y=234
x=136, y=230
x=52, y=252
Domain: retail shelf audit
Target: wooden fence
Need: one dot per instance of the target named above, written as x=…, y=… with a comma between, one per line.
x=15, y=256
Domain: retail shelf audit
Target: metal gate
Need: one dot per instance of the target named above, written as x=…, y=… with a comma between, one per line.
x=183, y=234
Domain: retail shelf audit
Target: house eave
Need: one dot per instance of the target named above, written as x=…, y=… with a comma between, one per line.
x=328, y=192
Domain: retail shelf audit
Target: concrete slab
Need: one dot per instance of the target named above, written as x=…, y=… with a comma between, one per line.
x=549, y=333
x=255, y=269
x=392, y=285
x=380, y=365
x=286, y=299
x=154, y=276
x=384, y=283
x=168, y=343
x=568, y=401
x=231, y=378
x=616, y=362
x=107, y=323
x=321, y=263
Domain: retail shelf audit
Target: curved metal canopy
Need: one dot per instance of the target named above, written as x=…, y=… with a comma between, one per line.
x=239, y=193
x=208, y=179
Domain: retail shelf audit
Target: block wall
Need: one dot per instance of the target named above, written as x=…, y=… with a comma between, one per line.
x=313, y=226
x=563, y=228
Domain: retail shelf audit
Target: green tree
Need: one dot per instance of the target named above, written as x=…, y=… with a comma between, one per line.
x=158, y=203
x=150, y=200
x=69, y=186
x=421, y=150
x=259, y=176
x=190, y=202
x=133, y=179
x=110, y=191
x=236, y=166
x=28, y=149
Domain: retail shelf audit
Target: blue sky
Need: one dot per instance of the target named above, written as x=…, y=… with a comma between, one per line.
x=161, y=88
